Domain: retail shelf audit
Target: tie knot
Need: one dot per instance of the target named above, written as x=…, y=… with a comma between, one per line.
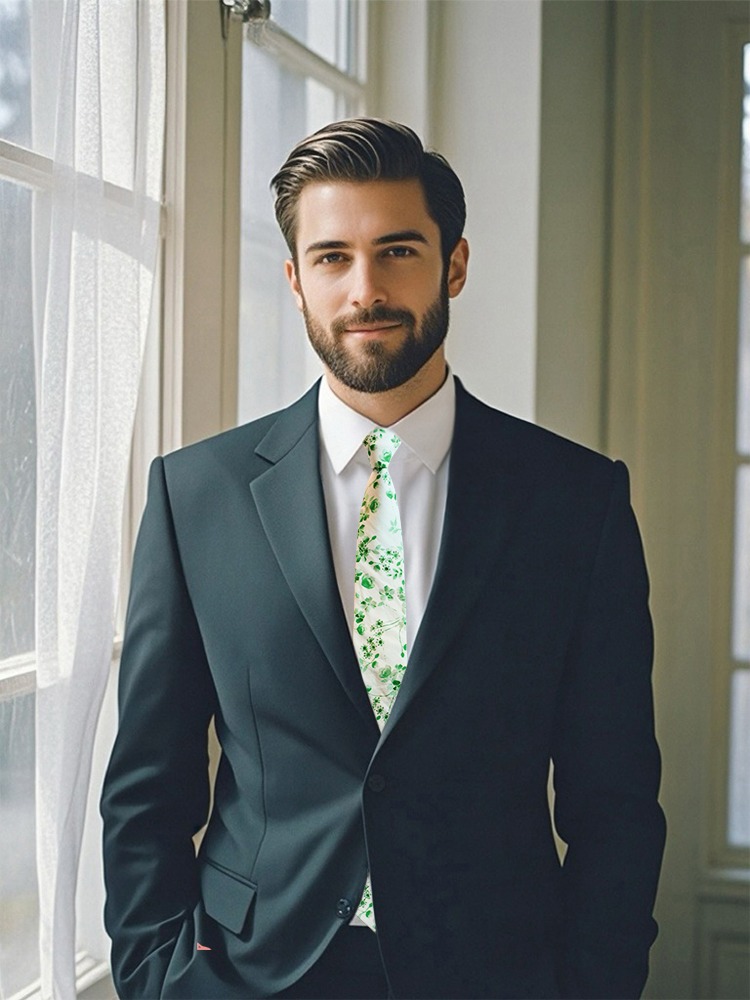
x=381, y=445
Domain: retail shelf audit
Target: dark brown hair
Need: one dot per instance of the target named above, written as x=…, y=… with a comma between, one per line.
x=368, y=149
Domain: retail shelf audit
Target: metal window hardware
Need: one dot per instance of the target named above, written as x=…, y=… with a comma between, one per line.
x=243, y=10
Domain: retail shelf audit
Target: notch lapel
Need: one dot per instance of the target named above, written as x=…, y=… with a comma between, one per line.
x=487, y=493
x=291, y=506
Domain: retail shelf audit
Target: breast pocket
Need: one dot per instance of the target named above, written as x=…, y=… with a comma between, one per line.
x=227, y=896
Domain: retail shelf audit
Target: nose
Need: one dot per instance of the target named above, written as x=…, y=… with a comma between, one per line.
x=367, y=288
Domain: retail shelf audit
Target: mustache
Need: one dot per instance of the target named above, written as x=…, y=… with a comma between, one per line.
x=378, y=314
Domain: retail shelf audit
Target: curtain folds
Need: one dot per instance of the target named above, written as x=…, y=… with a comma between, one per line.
x=95, y=253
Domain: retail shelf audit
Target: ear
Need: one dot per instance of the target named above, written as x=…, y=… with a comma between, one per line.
x=457, y=267
x=291, y=276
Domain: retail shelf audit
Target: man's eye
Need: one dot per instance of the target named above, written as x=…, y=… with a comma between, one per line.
x=331, y=258
x=399, y=252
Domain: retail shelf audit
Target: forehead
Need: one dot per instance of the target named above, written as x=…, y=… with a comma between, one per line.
x=362, y=210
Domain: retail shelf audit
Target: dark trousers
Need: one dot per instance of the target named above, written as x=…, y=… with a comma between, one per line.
x=349, y=969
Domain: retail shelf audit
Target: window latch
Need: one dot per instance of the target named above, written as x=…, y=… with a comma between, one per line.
x=243, y=10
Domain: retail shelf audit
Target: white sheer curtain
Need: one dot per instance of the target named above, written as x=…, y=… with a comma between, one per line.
x=98, y=74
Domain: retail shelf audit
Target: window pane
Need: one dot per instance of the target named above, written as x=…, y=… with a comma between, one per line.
x=19, y=913
x=739, y=761
x=327, y=27
x=29, y=67
x=741, y=611
x=15, y=72
x=743, y=361
x=18, y=423
x=275, y=362
x=745, y=210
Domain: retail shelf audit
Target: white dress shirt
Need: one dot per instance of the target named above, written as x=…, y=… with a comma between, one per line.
x=419, y=471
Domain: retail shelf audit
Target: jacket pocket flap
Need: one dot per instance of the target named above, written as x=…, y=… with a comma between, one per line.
x=226, y=896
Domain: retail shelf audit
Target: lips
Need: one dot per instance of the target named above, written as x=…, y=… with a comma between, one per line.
x=374, y=328
x=369, y=323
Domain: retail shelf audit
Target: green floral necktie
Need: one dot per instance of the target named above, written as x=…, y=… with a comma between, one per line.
x=379, y=595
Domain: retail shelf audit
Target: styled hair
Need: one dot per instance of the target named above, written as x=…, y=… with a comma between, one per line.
x=368, y=149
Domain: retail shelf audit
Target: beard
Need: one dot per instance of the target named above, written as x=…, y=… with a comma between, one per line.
x=377, y=367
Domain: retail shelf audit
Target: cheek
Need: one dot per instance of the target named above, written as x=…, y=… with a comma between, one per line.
x=325, y=298
x=426, y=297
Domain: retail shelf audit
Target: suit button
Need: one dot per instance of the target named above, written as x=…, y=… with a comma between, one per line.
x=376, y=782
x=344, y=908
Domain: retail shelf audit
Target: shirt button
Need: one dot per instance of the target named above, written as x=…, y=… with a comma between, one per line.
x=376, y=782
x=344, y=908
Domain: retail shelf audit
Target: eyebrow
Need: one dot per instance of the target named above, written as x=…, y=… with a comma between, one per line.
x=402, y=236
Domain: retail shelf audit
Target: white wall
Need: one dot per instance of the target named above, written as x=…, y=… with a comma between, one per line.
x=486, y=121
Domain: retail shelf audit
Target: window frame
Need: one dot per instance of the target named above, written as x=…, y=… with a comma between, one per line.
x=293, y=54
x=721, y=855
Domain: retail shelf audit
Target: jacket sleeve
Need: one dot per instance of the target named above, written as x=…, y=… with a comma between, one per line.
x=607, y=771
x=156, y=791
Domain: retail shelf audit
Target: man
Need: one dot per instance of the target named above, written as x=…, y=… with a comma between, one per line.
x=394, y=639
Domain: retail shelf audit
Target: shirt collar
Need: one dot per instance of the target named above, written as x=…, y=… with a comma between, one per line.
x=426, y=431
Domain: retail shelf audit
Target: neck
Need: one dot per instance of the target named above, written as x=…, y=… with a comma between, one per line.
x=387, y=408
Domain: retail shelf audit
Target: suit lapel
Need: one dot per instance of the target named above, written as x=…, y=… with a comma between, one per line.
x=488, y=489
x=487, y=493
x=291, y=506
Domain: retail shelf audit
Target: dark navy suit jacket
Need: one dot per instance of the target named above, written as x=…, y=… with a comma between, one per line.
x=536, y=644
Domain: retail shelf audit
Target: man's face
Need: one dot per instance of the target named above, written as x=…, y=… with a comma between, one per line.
x=370, y=280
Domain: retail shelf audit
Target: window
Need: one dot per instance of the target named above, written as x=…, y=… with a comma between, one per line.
x=308, y=64
x=80, y=186
x=738, y=819
x=730, y=515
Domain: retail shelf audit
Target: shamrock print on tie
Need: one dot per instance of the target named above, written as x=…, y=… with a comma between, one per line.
x=379, y=582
